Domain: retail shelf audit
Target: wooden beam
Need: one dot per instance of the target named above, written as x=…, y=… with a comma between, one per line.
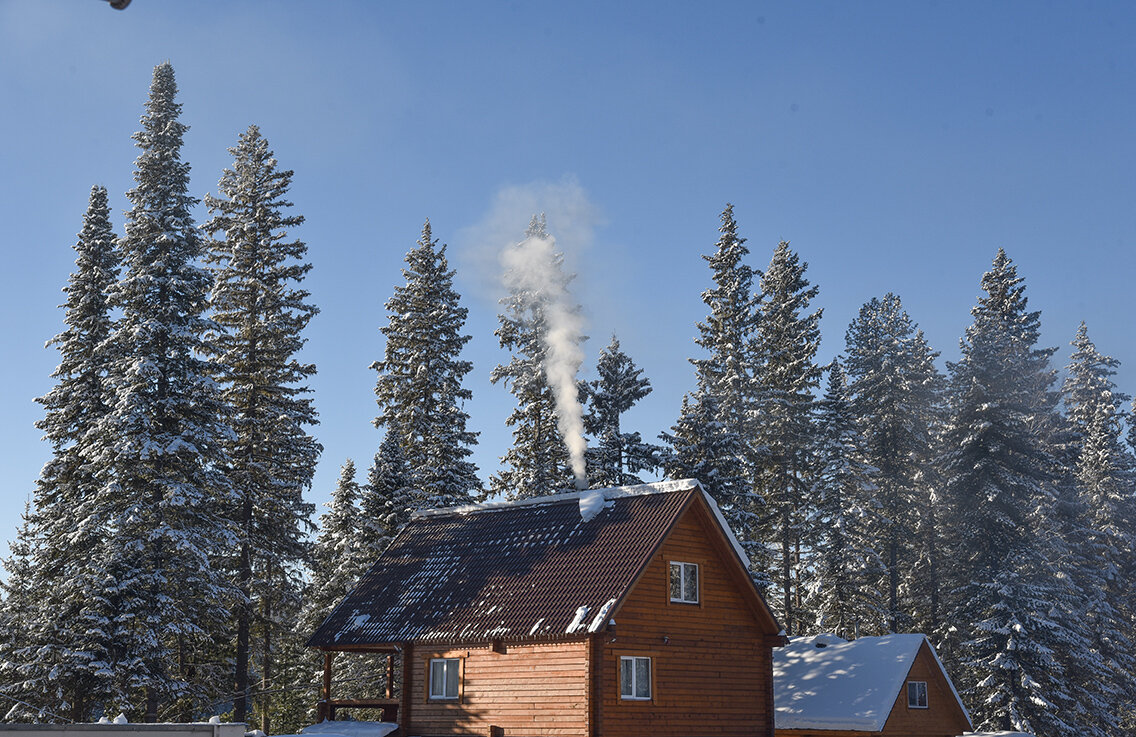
x=324, y=710
x=408, y=687
x=390, y=677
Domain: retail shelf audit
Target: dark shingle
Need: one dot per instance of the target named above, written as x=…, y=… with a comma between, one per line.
x=510, y=572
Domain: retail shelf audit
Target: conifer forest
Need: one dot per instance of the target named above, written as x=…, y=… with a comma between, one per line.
x=988, y=501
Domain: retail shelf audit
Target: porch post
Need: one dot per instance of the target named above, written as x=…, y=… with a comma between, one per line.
x=408, y=687
x=324, y=710
x=390, y=676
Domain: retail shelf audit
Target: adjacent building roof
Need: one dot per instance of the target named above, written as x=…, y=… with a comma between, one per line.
x=825, y=682
x=547, y=567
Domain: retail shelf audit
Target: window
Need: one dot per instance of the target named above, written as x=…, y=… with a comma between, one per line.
x=684, y=582
x=635, y=678
x=444, y=678
x=916, y=694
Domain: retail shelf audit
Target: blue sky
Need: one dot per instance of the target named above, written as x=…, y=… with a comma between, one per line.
x=897, y=145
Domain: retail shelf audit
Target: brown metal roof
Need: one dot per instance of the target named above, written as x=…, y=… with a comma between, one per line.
x=519, y=571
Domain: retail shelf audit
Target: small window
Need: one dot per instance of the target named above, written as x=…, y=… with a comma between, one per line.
x=444, y=678
x=635, y=678
x=916, y=694
x=684, y=582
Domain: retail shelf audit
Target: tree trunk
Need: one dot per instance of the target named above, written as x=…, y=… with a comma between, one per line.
x=786, y=573
x=151, y=705
x=241, y=682
x=266, y=668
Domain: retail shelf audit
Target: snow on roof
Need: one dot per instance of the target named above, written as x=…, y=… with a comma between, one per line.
x=615, y=492
x=996, y=734
x=825, y=682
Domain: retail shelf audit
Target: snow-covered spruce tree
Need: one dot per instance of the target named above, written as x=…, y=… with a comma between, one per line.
x=20, y=617
x=895, y=393
x=261, y=312
x=339, y=560
x=159, y=453
x=712, y=439
x=1087, y=387
x=62, y=664
x=922, y=586
x=844, y=565
x=1001, y=586
x=1094, y=507
x=617, y=457
x=389, y=497
x=786, y=375
x=700, y=447
x=421, y=374
x=537, y=463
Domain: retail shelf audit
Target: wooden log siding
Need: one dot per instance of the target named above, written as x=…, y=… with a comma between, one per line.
x=537, y=690
x=711, y=668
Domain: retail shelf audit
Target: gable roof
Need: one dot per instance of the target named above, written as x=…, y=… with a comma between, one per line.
x=538, y=568
x=825, y=682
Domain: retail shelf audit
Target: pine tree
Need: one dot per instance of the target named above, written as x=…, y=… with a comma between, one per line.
x=421, y=374
x=711, y=440
x=159, y=452
x=895, y=390
x=1002, y=589
x=538, y=461
x=844, y=565
x=702, y=448
x=389, y=498
x=20, y=617
x=786, y=375
x=63, y=660
x=337, y=559
x=1094, y=503
x=261, y=313
x=618, y=457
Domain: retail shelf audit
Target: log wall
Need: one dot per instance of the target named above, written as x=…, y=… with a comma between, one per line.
x=534, y=690
x=711, y=669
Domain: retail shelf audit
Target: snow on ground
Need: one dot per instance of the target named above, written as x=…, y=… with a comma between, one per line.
x=346, y=728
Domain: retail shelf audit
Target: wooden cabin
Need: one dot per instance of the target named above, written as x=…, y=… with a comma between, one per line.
x=620, y=612
x=893, y=685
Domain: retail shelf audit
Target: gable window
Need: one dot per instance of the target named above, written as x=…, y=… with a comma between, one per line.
x=444, y=673
x=916, y=694
x=684, y=582
x=635, y=678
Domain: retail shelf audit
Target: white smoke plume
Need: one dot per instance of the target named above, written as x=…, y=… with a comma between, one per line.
x=534, y=267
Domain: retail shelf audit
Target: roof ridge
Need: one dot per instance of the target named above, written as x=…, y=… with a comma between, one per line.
x=613, y=492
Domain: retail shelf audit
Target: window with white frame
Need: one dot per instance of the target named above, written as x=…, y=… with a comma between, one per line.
x=684, y=582
x=635, y=678
x=444, y=675
x=916, y=694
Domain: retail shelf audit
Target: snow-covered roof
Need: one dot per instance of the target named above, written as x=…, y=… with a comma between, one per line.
x=996, y=734
x=826, y=682
x=538, y=568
